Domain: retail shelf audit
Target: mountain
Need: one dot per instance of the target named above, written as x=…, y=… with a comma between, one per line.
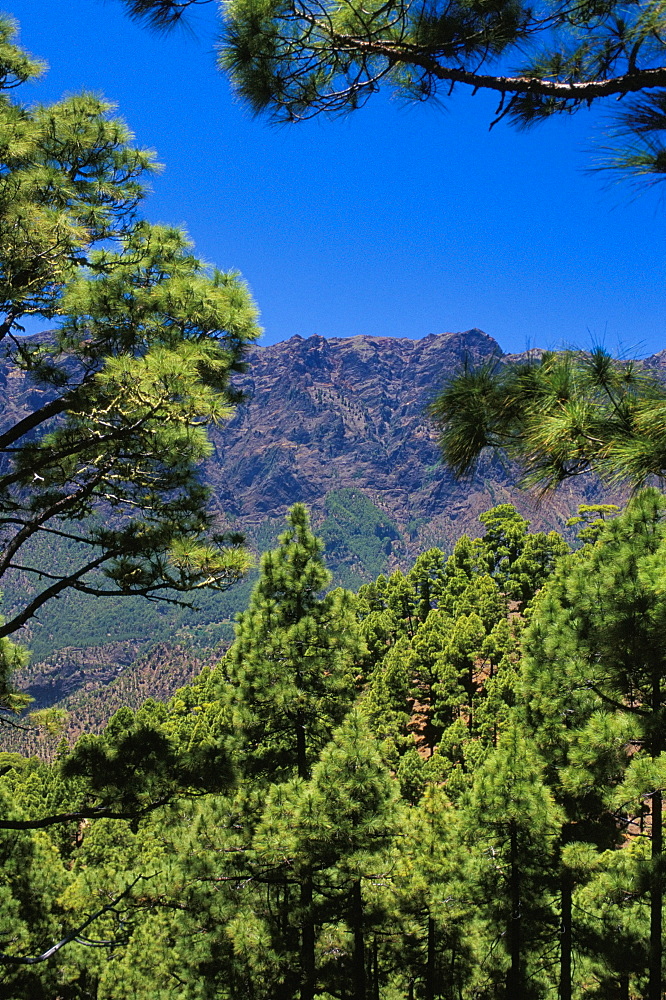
x=340, y=425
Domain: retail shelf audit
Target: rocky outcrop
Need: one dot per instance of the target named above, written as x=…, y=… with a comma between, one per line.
x=340, y=425
x=324, y=417
x=328, y=415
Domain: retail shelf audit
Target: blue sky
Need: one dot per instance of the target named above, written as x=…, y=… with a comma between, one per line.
x=395, y=221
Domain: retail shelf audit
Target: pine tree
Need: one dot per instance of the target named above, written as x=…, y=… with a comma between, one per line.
x=293, y=61
x=535, y=564
x=557, y=415
x=437, y=921
x=503, y=540
x=512, y=822
x=425, y=575
x=103, y=455
x=459, y=570
x=290, y=668
x=595, y=680
x=386, y=701
x=318, y=851
x=402, y=602
x=349, y=815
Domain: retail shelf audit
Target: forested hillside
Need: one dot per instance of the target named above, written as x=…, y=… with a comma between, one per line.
x=417, y=751
x=438, y=787
x=341, y=425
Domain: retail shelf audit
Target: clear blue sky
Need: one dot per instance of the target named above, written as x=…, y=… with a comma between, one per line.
x=396, y=221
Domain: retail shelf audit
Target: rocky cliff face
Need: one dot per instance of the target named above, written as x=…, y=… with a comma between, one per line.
x=340, y=425
x=326, y=416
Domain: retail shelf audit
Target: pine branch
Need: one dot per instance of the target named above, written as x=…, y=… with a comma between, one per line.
x=23, y=427
x=30, y=610
x=6, y=959
x=97, y=812
x=413, y=55
x=161, y=15
x=31, y=528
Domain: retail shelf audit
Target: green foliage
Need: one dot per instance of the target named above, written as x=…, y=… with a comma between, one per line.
x=512, y=821
x=147, y=340
x=444, y=650
x=354, y=527
x=290, y=668
x=592, y=517
x=458, y=810
x=557, y=416
x=601, y=618
x=594, y=687
x=11, y=658
x=144, y=759
x=348, y=818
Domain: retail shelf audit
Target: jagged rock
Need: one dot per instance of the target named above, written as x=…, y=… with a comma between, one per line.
x=340, y=425
x=340, y=414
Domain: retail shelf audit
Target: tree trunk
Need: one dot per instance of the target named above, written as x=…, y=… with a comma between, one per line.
x=430, y=961
x=375, y=970
x=301, y=748
x=358, y=956
x=656, y=900
x=301, y=743
x=307, y=940
x=657, y=843
x=513, y=979
x=565, y=936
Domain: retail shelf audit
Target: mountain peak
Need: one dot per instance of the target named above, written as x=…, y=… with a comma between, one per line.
x=336, y=423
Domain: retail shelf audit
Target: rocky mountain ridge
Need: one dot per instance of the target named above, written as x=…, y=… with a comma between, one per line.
x=351, y=414
x=340, y=425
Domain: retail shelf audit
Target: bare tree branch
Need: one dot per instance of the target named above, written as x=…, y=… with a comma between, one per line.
x=6, y=959
x=96, y=812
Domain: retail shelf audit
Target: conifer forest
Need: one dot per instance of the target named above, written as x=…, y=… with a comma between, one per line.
x=446, y=783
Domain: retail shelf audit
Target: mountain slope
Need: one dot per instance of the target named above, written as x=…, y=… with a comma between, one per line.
x=326, y=416
x=340, y=425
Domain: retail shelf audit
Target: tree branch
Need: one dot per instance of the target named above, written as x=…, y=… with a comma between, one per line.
x=31, y=528
x=94, y=440
x=97, y=812
x=23, y=427
x=7, y=628
x=403, y=52
x=617, y=704
x=45, y=955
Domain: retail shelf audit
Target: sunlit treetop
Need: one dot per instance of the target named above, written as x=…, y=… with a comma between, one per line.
x=557, y=415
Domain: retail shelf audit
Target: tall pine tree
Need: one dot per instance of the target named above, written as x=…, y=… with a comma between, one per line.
x=290, y=669
x=595, y=673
